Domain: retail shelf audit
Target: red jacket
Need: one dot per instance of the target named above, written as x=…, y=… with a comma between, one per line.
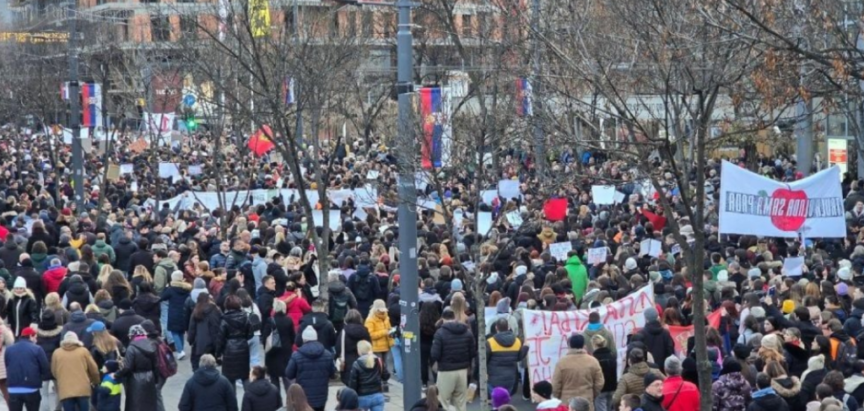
x=52, y=278
x=680, y=395
x=296, y=307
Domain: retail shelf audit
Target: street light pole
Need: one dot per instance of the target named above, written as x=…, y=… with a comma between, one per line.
x=406, y=145
x=539, y=140
x=75, y=110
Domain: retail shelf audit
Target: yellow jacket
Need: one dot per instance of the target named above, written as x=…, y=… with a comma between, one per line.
x=378, y=325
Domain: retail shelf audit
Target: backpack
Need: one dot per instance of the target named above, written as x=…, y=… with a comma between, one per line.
x=339, y=307
x=254, y=321
x=362, y=288
x=847, y=354
x=274, y=340
x=166, y=364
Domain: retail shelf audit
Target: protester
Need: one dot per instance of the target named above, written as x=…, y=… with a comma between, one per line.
x=678, y=395
x=366, y=377
x=541, y=393
x=609, y=365
x=311, y=366
x=578, y=374
x=281, y=328
x=260, y=394
x=632, y=382
x=109, y=396
x=207, y=390
x=26, y=367
x=75, y=371
x=138, y=372
x=235, y=332
x=504, y=352
x=453, y=350
x=353, y=332
x=765, y=398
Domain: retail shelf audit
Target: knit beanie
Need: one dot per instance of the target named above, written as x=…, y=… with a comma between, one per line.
x=500, y=397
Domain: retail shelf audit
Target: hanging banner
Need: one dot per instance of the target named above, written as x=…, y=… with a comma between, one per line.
x=547, y=332
x=437, y=130
x=681, y=334
x=754, y=205
x=524, y=96
x=838, y=154
x=259, y=17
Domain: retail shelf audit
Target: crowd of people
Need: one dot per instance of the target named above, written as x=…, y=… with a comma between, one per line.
x=100, y=304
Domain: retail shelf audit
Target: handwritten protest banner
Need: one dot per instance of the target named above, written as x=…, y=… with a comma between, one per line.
x=547, y=332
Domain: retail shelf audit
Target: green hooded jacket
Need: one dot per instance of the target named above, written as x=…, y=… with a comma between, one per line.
x=578, y=275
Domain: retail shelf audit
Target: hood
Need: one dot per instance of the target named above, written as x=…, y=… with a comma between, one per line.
x=573, y=262
x=125, y=241
x=639, y=369
x=106, y=305
x=71, y=345
x=208, y=376
x=363, y=271
x=56, y=273
x=167, y=263
x=455, y=327
x=852, y=383
x=182, y=285
x=37, y=258
x=786, y=387
x=317, y=320
x=235, y=318
x=147, y=301
x=100, y=244
x=654, y=327
x=336, y=287
x=356, y=331
x=311, y=349
x=348, y=400
x=258, y=388
x=505, y=339
x=78, y=317
x=763, y=393
x=10, y=245
x=145, y=345
x=549, y=404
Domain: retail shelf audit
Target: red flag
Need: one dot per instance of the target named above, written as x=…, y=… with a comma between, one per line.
x=260, y=142
x=555, y=209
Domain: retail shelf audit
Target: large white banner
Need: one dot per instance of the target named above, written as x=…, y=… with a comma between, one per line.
x=754, y=205
x=547, y=332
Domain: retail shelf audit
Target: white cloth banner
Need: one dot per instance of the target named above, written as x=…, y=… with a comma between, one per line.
x=754, y=205
x=547, y=332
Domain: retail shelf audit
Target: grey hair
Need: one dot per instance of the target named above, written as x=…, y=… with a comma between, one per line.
x=296, y=252
x=207, y=361
x=672, y=365
x=579, y=404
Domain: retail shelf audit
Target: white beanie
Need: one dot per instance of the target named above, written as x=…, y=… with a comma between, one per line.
x=630, y=264
x=754, y=272
x=309, y=334
x=521, y=270
x=177, y=276
x=844, y=274
x=722, y=276
x=845, y=263
x=493, y=278
x=20, y=282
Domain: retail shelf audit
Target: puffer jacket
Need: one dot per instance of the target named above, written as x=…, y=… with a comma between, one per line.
x=352, y=334
x=204, y=334
x=312, y=367
x=236, y=332
x=124, y=250
x=147, y=305
x=788, y=389
x=632, y=382
x=101, y=248
x=322, y=325
x=21, y=311
x=503, y=353
x=260, y=395
x=176, y=295
x=363, y=379
x=731, y=392
x=378, y=325
x=52, y=278
x=453, y=347
x=77, y=292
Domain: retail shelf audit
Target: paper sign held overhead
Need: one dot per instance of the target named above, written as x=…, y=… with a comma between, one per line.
x=560, y=250
x=514, y=218
x=484, y=222
x=127, y=168
x=597, y=255
x=793, y=266
x=113, y=172
x=509, y=189
x=650, y=247
x=603, y=194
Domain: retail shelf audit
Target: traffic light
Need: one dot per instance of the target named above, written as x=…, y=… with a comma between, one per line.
x=191, y=122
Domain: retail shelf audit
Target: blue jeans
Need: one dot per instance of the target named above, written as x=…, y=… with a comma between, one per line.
x=255, y=350
x=178, y=340
x=163, y=318
x=76, y=404
x=396, y=352
x=372, y=402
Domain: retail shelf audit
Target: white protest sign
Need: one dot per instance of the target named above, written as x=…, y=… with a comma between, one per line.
x=488, y=196
x=603, y=194
x=793, y=266
x=360, y=214
x=547, y=332
x=372, y=174
x=168, y=170
x=597, y=255
x=127, y=168
x=514, y=218
x=754, y=205
x=509, y=189
x=195, y=170
x=650, y=247
x=619, y=197
x=335, y=221
x=484, y=222
x=560, y=250
x=318, y=218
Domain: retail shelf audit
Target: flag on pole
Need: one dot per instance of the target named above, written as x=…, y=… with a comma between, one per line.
x=91, y=105
x=261, y=142
x=64, y=91
x=288, y=91
x=524, y=97
x=223, y=18
x=434, y=111
x=259, y=17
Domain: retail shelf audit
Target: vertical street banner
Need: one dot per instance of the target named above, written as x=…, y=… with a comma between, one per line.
x=547, y=332
x=751, y=204
x=435, y=108
x=259, y=17
x=91, y=105
x=524, y=97
x=838, y=154
x=223, y=18
x=288, y=91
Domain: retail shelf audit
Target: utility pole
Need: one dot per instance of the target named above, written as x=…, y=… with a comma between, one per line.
x=803, y=113
x=296, y=17
x=75, y=109
x=539, y=140
x=406, y=145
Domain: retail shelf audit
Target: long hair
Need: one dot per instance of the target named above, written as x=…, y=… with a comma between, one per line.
x=432, y=402
x=364, y=348
x=53, y=302
x=295, y=399
x=101, y=295
x=104, y=342
x=104, y=272
x=116, y=279
x=429, y=316
x=201, y=305
x=459, y=306
x=141, y=271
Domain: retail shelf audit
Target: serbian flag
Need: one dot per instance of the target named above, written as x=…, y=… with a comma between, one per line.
x=288, y=91
x=555, y=209
x=260, y=143
x=91, y=104
x=433, y=127
x=523, y=97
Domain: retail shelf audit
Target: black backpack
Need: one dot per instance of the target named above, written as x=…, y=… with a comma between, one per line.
x=339, y=307
x=362, y=289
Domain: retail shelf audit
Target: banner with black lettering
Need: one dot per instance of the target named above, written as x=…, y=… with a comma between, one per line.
x=751, y=204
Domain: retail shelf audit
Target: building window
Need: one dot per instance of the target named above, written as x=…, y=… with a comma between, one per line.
x=367, y=23
x=160, y=28
x=351, y=16
x=289, y=20
x=467, y=25
x=188, y=25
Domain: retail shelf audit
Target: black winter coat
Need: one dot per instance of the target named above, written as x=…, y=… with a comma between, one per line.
x=322, y=325
x=365, y=380
x=771, y=402
x=261, y=395
x=353, y=334
x=796, y=359
x=368, y=287
x=123, y=253
x=34, y=282
x=139, y=375
x=205, y=334
x=141, y=257
x=125, y=321
x=453, y=347
x=10, y=253
x=49, y=340
x=503, y=353
x=176, y=295
x=236, y=332
x=312, y=366
x=21, y=312
x=208, y=391
x=147, y=305
x=277, y=358
x=658, y=341
x=609, y=365
x=77, y=292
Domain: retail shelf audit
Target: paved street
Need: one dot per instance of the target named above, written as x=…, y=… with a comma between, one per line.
x=174, y=388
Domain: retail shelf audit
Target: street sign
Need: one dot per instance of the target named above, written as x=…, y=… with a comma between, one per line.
x=189, y=100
